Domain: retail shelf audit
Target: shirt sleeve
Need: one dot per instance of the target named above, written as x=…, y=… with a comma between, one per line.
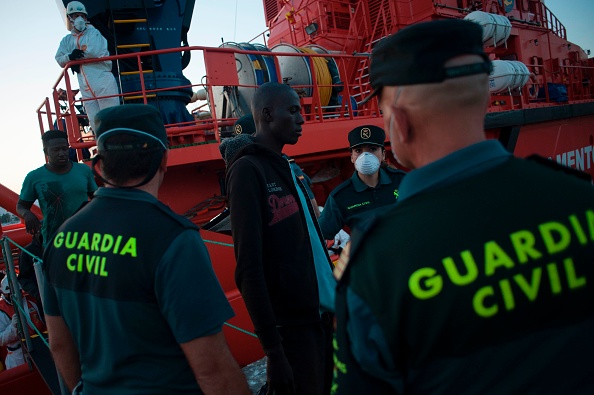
x=63, y=52
x=368, y=344
x=8, y=333
x=28, y=193
x=188, y=292
x=331, y=221
x=91, y=184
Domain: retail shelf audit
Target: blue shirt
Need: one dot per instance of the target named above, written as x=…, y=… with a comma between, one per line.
x=454, y=167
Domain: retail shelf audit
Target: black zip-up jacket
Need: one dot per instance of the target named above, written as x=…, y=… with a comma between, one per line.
x=275, y=266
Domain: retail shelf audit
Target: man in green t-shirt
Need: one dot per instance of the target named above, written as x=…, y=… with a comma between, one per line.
x=61, y=186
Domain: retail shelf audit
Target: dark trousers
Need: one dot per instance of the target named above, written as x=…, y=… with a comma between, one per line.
x=308, y=349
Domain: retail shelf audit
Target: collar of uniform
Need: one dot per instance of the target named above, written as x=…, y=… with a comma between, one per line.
x=360, y=186
x=457, y=166
x=124, y=193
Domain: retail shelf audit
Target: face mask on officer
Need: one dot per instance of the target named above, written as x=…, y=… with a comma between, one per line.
x=367, y=163
x=80, y=24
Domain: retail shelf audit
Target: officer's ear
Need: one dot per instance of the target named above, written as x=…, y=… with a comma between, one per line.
x=266, y=114
x=400, y=130
x=163, y=164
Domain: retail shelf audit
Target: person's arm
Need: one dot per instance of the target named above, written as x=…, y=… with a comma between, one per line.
x=62, y=53
x=63, y=350
x=247, y=222
x=196, y=317
x=32, y=223
x=91, y=184
x=8, y=329
x=330, y=220
x=26, y=276
x=215, y=368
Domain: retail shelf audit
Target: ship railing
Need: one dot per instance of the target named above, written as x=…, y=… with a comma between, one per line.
x=535, y=14
x=220, y=65
x=64, y=107
x=551, y=22
x=24, y=321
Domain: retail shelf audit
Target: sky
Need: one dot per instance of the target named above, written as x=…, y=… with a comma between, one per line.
x=28, y=69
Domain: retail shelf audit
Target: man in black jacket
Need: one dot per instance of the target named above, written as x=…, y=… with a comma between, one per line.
x=283, y=271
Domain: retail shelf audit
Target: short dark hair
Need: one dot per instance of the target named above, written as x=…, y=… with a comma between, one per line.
x=53, y=134
x=121, y=166
x=265, y=96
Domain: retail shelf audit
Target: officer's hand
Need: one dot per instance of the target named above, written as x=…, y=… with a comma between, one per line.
x=76, y=54
x=32, y=223
x=341, y=239
x=14, y=320
x=279, y=373
x=342, y=262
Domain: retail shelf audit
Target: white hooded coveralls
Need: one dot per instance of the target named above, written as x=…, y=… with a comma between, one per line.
x=9, y=335
x=94, y=79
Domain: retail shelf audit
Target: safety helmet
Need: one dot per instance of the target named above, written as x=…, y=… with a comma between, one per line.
x=5, y=289
x=76, y=7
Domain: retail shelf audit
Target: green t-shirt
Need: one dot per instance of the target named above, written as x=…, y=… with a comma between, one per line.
x=59, y=195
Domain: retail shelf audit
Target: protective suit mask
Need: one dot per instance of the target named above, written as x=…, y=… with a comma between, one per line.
x=367, y=163
x=79, y=24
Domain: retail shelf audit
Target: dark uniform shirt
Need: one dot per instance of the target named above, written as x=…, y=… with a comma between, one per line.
x=353, y=201
x=133, y=280
x=489, y=296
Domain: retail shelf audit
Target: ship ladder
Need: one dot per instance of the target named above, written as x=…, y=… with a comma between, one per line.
x=129, y=21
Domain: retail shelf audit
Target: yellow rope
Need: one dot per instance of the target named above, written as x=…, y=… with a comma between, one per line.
x=323, y=76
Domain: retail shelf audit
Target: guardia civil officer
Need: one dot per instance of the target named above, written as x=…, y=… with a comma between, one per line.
x=488, y=290
x=131, y=300
x=371, y=188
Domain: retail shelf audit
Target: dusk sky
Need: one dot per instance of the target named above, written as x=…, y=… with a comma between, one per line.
x=28, y=70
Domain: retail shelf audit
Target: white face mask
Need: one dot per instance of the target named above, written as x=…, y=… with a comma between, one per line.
x=367, y=163
x=80, y=24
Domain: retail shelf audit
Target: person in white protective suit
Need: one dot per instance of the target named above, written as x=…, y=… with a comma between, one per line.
x=94, y=79
x=9, y=336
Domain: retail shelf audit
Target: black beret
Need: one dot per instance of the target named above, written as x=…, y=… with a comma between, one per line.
x=417, y=54
x=139, y=120
x=367, y=134
x=245, y=125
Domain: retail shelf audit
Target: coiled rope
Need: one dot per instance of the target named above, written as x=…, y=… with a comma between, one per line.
x=323, y=77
